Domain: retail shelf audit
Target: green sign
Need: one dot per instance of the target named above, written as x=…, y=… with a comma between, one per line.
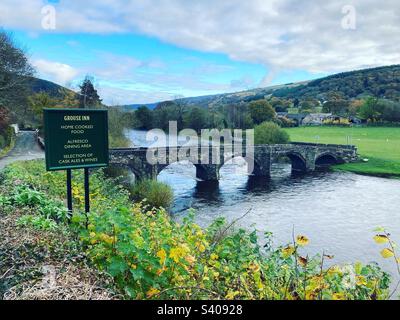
x=75, y=138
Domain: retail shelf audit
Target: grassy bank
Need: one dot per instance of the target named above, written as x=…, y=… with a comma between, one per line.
x=380, y=145
x=9, y=142
x=149, y=256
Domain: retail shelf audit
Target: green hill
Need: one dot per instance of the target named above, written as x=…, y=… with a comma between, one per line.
x=382, y=82
x=54, y=90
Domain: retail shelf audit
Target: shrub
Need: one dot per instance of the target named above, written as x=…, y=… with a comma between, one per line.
x=153, y=193
x=270, y=133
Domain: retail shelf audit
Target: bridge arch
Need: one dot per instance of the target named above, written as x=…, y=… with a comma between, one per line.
x=202, y=171
x=252, y=167
x=327, y=159
x=183, y=167
x=299, y=163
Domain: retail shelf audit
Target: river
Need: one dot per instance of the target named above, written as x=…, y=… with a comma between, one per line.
x=337, y=211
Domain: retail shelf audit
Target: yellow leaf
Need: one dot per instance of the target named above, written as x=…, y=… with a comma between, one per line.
x=179, y=252
x=254, y=267
x=106, y=238
x=288, y=251
x=311, y=295
x=334, y=270
x=152, y=292
x=302, y=240
x=339, y=296
x=162, y=255
x=213, y=256
x=380, y=238
x=231, y=295
x=361, y=281
x=387, y=253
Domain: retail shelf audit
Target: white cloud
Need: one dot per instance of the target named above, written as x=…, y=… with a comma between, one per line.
x=117, y=96
x=280, y=34
x=55, y=71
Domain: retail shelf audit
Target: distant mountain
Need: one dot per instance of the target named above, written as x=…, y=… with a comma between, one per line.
x=382, y=82
x=51, y=88
x=237, y=97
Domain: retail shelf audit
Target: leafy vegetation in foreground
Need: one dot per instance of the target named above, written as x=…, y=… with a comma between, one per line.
x=380, y=145
x=151, y=256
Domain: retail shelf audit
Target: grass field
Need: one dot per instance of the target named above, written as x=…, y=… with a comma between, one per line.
x=381, y=145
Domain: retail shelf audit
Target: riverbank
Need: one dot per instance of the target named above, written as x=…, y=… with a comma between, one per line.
x=150, y=256
x=380, y=145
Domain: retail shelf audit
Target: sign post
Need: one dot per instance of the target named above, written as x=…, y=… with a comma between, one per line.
x=76, y=139
x=69, y=190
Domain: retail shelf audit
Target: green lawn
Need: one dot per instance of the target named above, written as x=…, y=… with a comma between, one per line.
x=381, y=145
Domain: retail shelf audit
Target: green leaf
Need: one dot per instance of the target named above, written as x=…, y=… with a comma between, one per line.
x=117, y=266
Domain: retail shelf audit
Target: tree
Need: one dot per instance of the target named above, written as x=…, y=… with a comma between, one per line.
x=261, y=111
x=166, y=112
x=40, y=101
x=371, y=109
x=355, y=106
x=145, y=117
x=88, y=96
x=309, y=105
x=280, y=105
x=4, y=119
x=238, y=116
x=391, y=111
x=196, y=119
x=15, y=73
x=117, y=122
x=336, y=106
x=270, y=133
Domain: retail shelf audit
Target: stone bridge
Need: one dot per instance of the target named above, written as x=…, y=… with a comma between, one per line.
x=305, y=157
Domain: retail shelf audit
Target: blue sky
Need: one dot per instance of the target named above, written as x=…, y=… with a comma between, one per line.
x=147, y=51
x=141, y=63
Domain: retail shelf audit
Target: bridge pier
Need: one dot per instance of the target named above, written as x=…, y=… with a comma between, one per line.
x=262, y=167
x=149, y=173
x=208, y=172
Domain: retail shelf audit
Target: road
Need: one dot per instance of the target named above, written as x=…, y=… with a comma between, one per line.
x=26, y=148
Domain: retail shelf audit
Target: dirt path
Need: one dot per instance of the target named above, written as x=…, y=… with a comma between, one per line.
x=26, y=148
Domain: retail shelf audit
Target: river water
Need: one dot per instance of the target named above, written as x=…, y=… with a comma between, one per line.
x=337, y=211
